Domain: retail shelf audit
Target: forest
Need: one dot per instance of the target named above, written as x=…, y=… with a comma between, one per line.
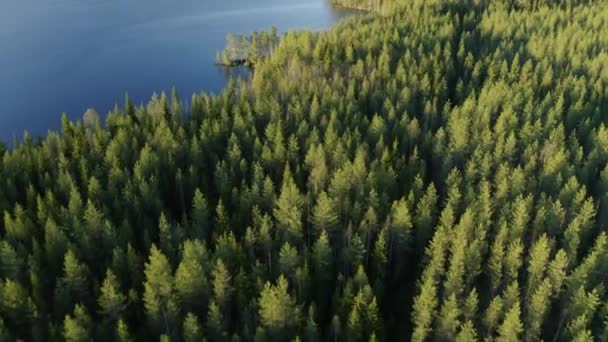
x=436, y=170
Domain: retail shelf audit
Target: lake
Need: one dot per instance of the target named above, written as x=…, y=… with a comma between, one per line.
x=69, y=55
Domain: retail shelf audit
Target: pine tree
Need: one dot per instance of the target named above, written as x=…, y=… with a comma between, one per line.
x=578, y=228
x=581, y=311
x=493, y=315
x=75, y=274
x=10, y=262
x=122, y=332
x=18, y=226
x=215, y=322
x=73, y=286
x=278, y=312
x=425, y=214
x=322, y=266
x=322, y=256
x=228, y=250
x=265, y=239
x=456, y=270
x=497, y=258
x=470, y=305
x=159, y=296
x=288, y=260
x=513, y=260
x=511, y=328
x=316, y=160
x=401, y=226
x=324, y=214
x=191, y=283
x=16, y=305
x=537, y=308
x=222, y=285
x=424, y=311
x=111, y=300
x=288, y=209
x=355, y=325
x=200, y=216
x=539, y=258
x=93, y=238
x=448, y=318
x=312, y=328
x=191, y=328
x=77, y=327
x=222, y=219
x=467, y=333
x=167, y=238
x=380, y=254
x=55, y=245
x=556, y=271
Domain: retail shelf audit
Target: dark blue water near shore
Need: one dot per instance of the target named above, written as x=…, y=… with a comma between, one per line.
x=69, y=55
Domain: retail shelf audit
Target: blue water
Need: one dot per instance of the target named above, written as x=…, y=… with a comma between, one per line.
x=69, y=55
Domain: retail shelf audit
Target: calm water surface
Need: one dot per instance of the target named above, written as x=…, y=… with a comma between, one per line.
x=69, y=55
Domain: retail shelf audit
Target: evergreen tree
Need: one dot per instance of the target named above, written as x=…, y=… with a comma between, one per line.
x=448, y=318
x=122, y=332
x=288, y=260
x=539, y=258
x=222, y=287
x=200, y=216
x=111, y=300
x=159, y=293
x=215, y=322
x=322, y=255
x=538, y=308
x=191, y=284
x=511, y=328
x=191, y=328
x=167, y=238
x=324, y=214
x=16, y=305
x=288, y=210
x=73, y=287
x=278, y=312
x=77, y=326
x=423, y=314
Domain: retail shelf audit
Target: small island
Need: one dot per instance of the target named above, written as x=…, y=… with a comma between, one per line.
x=247, y=49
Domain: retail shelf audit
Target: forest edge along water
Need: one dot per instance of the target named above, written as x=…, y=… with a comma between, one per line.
x=66, y=56
x=436, y=172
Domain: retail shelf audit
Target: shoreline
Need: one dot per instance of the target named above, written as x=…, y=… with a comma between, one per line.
x=251, y=61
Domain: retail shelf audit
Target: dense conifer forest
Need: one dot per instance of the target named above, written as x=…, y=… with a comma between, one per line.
x=436, y=170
